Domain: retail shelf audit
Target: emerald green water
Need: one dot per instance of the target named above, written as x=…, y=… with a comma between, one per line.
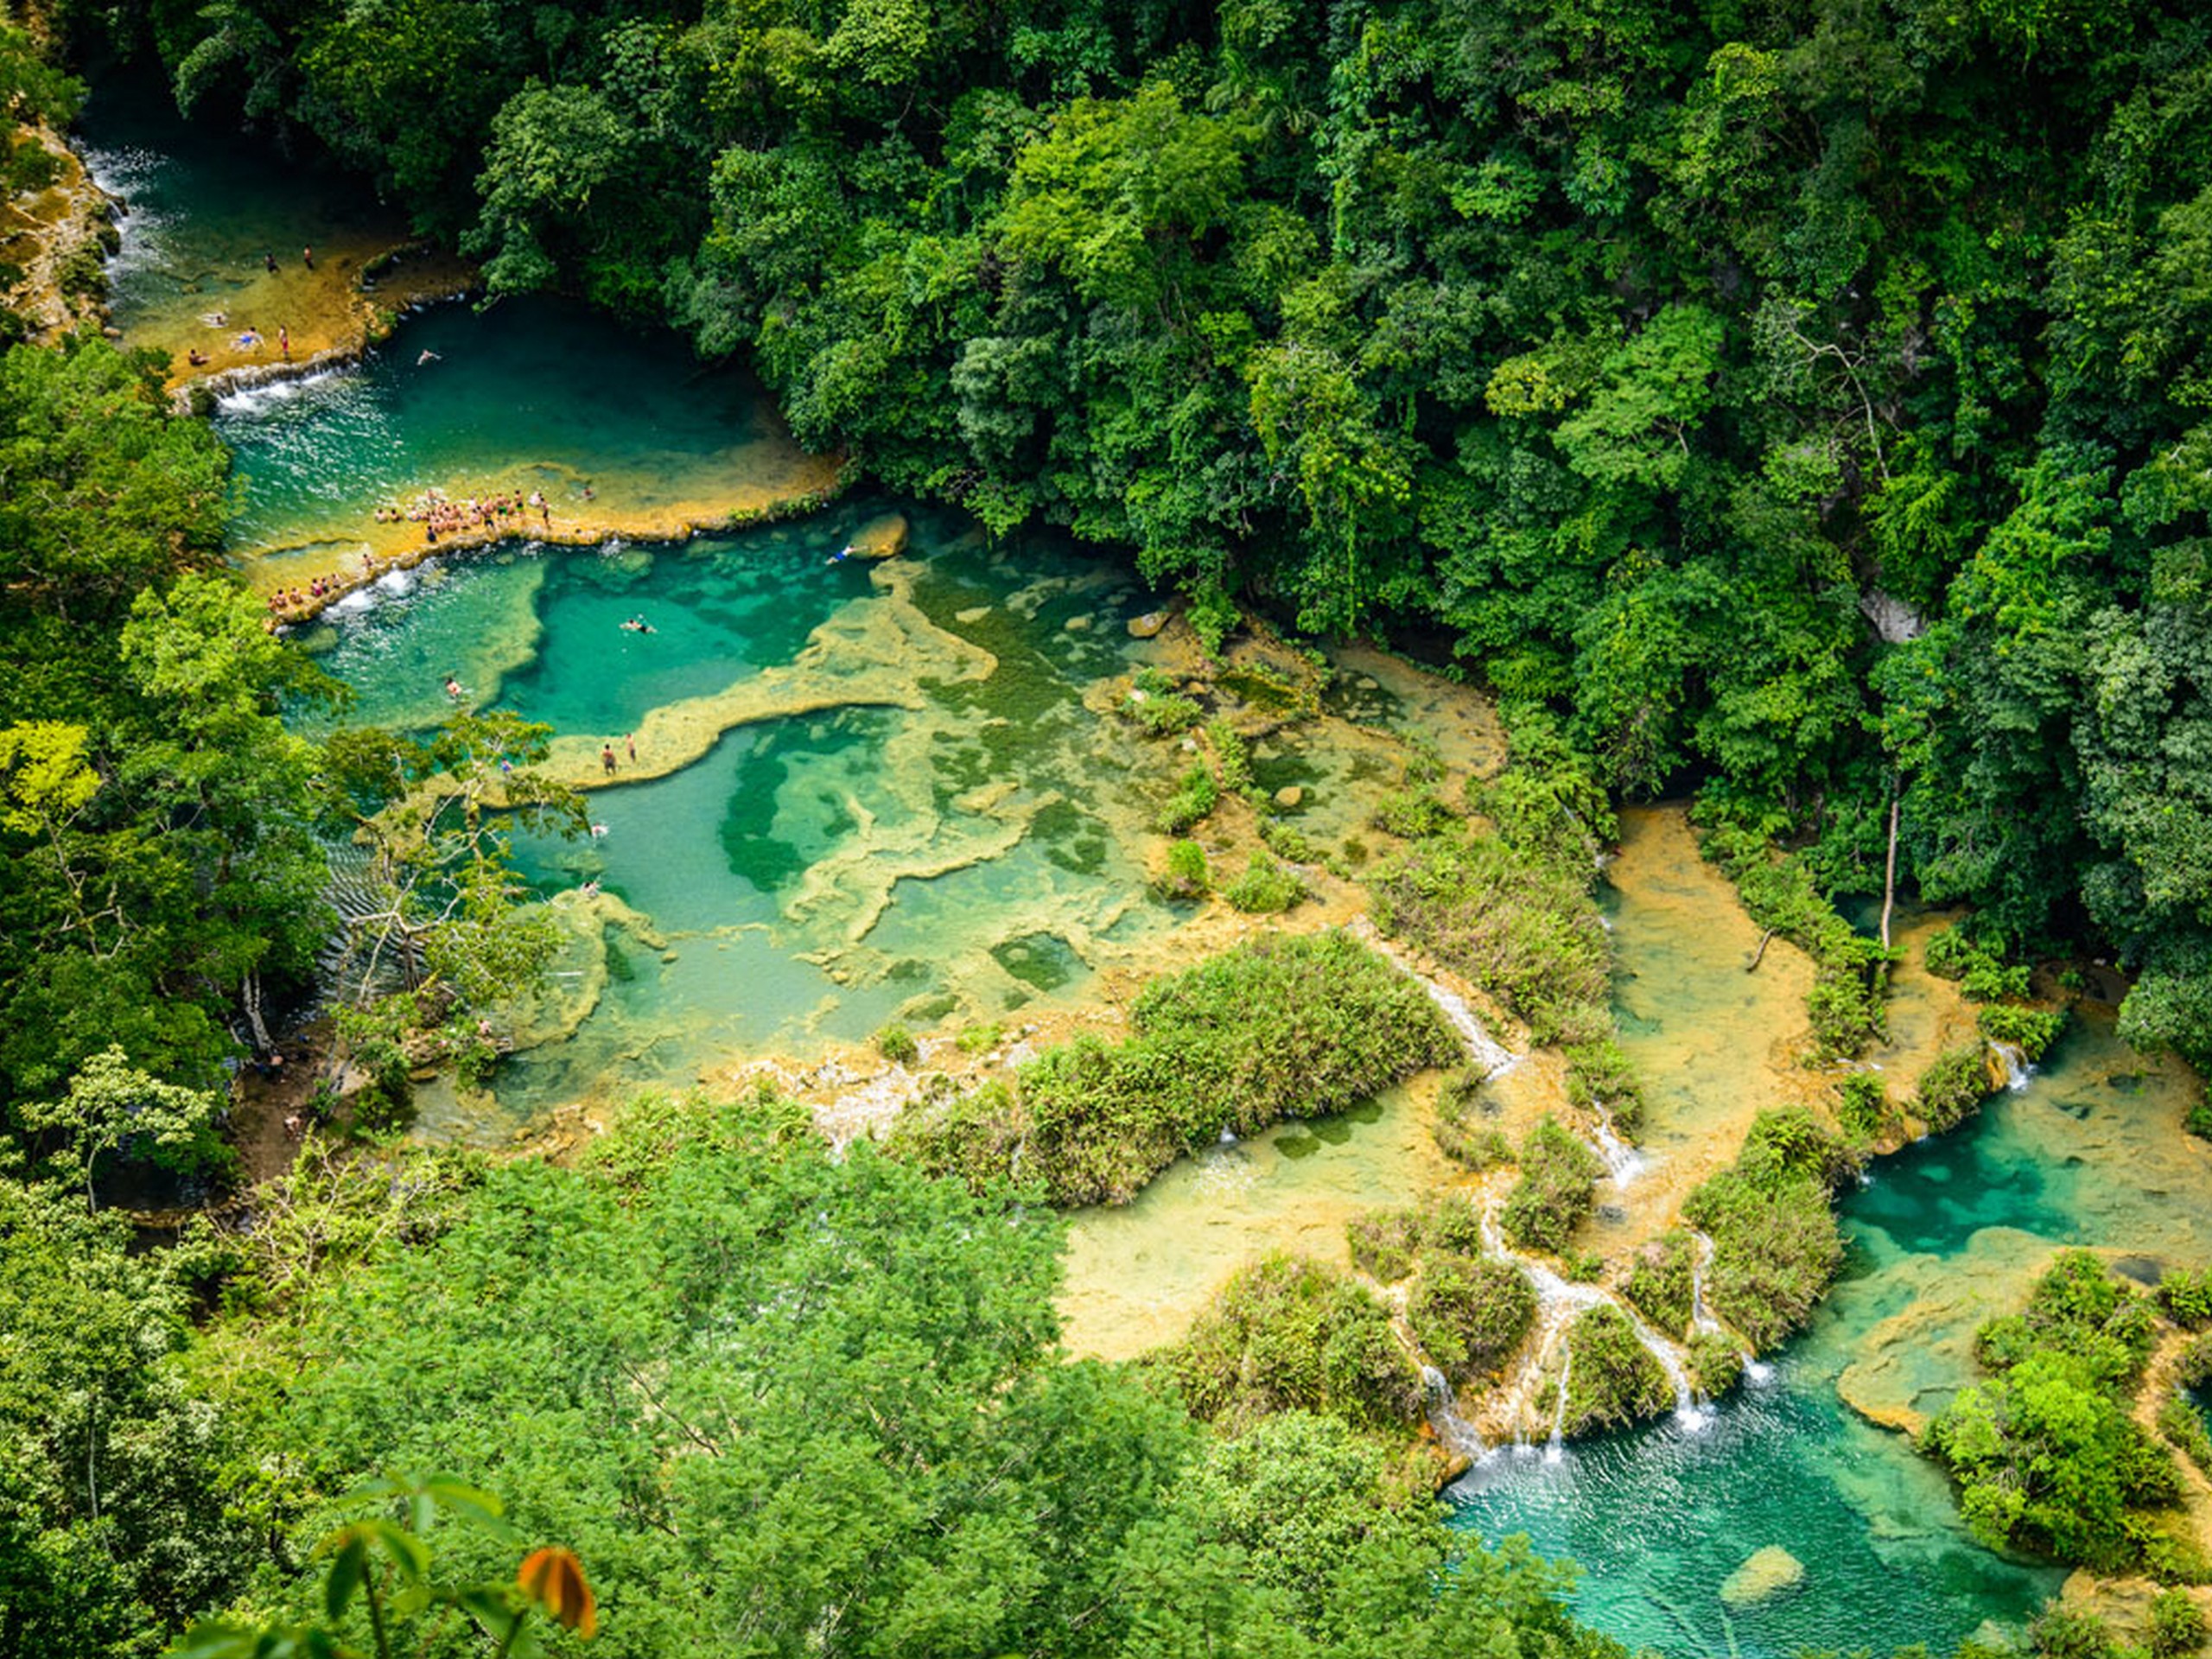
x=530, y=394
x=1944, y=1234
x=542, y=631
x=203, y=206
x=752, y=865
x=978, y=854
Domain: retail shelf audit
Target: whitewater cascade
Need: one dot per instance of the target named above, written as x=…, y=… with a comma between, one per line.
x=2014, y=1060
x=1453, y=1432
x=1558, y=1300
x=1622, y=1162
x=1555, y=1448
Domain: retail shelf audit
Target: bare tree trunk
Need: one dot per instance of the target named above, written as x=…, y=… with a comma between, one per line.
x=250, y=994
x=1889, y=868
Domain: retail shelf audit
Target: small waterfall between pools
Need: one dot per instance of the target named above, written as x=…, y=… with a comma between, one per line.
x=1623, y=1161
x=1555, y=1448
x=1453, y=1432
x=2014, y=1061
x=1558, y=1300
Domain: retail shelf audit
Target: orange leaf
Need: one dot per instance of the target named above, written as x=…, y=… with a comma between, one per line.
x=554, y=1579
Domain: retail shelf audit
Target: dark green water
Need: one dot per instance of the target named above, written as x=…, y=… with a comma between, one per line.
x=203, y=206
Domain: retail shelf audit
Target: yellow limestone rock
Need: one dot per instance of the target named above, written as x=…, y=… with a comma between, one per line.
x=1765, y=1575
x=880, y=538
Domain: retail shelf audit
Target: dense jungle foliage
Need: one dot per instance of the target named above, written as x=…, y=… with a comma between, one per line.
x=1807, y=396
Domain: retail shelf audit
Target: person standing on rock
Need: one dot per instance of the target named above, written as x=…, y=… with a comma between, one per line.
x=284, y=342
x=306, y=258
x=268, y=261
x=606, y=758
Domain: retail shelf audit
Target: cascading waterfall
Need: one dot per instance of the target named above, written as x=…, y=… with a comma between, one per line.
x=1622, y=1162
x=1453, y=1432
x=1700, y=1319
x=1557, y=1302
x=1555, y=1448
x=2014, y=1060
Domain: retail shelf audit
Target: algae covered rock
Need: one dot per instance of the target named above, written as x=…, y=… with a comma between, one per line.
x=1768, y=1573
x=1145, y=626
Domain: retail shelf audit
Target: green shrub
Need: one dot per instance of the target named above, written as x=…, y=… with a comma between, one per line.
x=1195, y=795
x=1265, y=888
x=1300, y=1027
x=1716, y=1364
x=2176, y=1626
x=1383, y=1242
x=1953, y=1087
x=1458, y=1131
x=1187, y=877
x=1524, y=929
x=1992, y=981
x=1231, y=758
x=981, y=1040
x=1660, y=1281
x=2183, y=1425
x=1168, y=715
x=2063, y=1632
x=1614, y=1380
x=1775, y=1243
x=1981, y=972
x=1864, y=1108
x=1288, y=1335
x=1554, y=1192
x=2199, y=1120
x=1470, y=1314
x=2081, y=1308
x=1288, y=841
x=2186, y=1297
x=1787, y=1143
x=1414, y=813
x=2194, y=1364
x=29, y=166
x=1950, y=953
x=2047, y=1454
x=82, y=273
x=1600, y=1076
x=1454, y=1224
x=2029, y=1030
x=897, y=1045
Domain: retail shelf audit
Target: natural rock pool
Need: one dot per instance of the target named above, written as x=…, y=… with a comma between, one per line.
x=868, y=793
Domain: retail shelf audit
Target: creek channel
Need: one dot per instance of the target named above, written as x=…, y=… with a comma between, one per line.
x=871, y=793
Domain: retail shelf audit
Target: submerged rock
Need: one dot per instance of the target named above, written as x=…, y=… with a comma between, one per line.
x=880, y=538
x=1148, y=625
x=1765, y=1575
x=1289, y=795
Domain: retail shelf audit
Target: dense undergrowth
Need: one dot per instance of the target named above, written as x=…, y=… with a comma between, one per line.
x=2047, y=1452
x=1775, y=1243
x=1285, y=1027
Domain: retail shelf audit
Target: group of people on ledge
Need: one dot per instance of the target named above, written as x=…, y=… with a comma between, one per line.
x=441, y=515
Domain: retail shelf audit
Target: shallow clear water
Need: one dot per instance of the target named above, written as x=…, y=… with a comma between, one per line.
x=203, y=206
x=816, y=875
x=1944, y=1235
x=532, y=395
